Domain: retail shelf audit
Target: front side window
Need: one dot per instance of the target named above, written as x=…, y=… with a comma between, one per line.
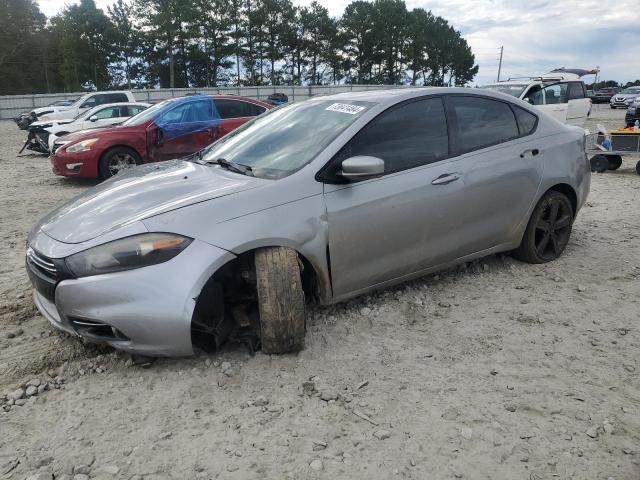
x=196, y=111
x=576, y=91
x=480, y=122
x=404, y=136
x=133, y=110
x=556, y=93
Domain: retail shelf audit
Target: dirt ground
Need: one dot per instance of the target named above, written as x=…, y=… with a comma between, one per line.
x=495, y=370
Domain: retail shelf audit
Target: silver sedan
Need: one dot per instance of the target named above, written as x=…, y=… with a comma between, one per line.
x=316, y=201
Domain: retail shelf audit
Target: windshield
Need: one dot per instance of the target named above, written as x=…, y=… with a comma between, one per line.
x=514, y=89
x=146, y=115
x=284, y=140
x=632, y=90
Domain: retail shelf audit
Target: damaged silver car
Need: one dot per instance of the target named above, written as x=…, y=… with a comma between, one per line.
x=315, y=201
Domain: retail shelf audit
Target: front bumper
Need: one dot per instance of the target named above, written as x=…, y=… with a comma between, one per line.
x=620, y=103
x=145, y=311
x=82, y=164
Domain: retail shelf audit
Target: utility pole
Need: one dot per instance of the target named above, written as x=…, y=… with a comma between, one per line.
x=500, y=64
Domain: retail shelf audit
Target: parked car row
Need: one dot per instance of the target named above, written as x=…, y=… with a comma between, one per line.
x=320, y=200
x=44, y=133
x=167, y=130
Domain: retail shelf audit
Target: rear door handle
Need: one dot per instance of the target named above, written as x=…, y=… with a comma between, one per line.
x=532, y=151
x=446, y=178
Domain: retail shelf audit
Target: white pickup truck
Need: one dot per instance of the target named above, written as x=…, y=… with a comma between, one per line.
x=82, y=104
x=559, y=93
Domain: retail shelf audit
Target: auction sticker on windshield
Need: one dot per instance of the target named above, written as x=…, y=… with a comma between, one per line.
x=345, y=108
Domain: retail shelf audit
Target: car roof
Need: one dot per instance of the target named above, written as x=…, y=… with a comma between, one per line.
x=396, y=95
x=121, y=104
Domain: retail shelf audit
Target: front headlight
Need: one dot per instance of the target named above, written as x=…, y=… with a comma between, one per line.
x=127, y=253
x=83, y=146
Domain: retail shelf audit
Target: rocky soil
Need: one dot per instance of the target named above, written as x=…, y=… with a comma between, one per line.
x=494, y=370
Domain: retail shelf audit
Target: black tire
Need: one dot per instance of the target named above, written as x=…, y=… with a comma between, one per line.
x=638, y=168
x=280, y=300
x=615, y=161
x=599, y=163
x=548, y=230
x=117, y=159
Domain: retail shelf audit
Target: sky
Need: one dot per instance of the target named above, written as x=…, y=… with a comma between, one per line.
x=537, y=35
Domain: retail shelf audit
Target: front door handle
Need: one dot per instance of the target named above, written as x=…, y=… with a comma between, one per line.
x=446, y=178
x=532, y=151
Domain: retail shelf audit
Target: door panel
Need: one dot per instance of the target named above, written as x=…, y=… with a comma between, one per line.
x=184, y=130
x=499, y=188
x=502, y=168
x=385, y=228
x=578, y=110
x=557, y=111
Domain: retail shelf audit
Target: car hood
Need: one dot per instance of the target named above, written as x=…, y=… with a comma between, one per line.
x=626, y=96
x=140, y=193
x=52, y=123
x=92, y=132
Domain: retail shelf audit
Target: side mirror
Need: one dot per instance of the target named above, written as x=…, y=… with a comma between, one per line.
x=362, y=167
x=527, y=99
x=93, y=118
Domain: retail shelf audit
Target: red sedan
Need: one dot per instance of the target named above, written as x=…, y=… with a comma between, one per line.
x=171, y=129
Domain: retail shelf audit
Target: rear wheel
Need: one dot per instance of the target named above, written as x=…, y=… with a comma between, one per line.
x=615, y=161
x=117, y=159
x=280, y=300
x=599, y=163
x=638, y=168
x=548, y=230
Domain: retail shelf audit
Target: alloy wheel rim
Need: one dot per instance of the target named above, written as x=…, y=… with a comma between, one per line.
x=553, y=229
x=119, y=162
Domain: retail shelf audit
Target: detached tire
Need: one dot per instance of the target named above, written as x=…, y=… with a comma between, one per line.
x=116, y=159
x=280, y=300
x=548, y=230
x=599, y=163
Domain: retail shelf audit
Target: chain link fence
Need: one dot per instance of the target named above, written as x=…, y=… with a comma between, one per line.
x=13, y=105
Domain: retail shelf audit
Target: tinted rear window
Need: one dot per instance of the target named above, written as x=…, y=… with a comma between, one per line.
x=481, y=122
x=228, y=108
x=526, y=120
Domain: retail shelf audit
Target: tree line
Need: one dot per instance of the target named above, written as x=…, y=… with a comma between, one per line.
x=203, y=43
x=612, y=83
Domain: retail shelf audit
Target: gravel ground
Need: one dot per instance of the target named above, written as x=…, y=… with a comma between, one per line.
x=494, y=370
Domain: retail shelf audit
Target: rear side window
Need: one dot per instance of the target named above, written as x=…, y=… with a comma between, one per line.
x=526, y=120
x=110, y=112
x=113, y=98
x=481, y=122
x=228, y=108
x=575, y=91
x=404, y=136
x=132, y=110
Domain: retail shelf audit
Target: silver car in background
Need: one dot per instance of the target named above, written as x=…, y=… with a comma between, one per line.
x=625, y=98
x=319, y=201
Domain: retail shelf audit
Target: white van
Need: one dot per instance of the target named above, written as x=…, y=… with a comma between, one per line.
x=559, y=93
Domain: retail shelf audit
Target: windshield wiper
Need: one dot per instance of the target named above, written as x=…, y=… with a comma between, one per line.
x=233, y=166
